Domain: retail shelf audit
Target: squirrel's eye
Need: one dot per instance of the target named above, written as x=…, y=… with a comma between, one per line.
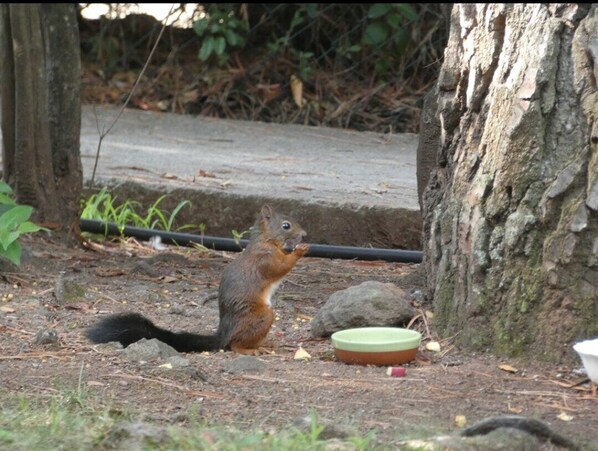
x=286, y=225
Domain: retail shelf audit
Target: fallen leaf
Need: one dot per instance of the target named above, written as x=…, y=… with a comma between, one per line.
x=433, y=346
x=80, y=306
x=564, y=416
x=6, y=309
x=508, y=368
x=514, y=409
x=460, y=421
x=297, y=90
x=109, y=272
x=190, y=96
x=423, y=359
x=304, y=317
x=95, y=384
x=301, y=354
x=166, y=365
x=141, y=104
x=202, y=173
x=269, y=92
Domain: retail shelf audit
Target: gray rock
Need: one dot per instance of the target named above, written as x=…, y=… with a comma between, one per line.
x=177, y=309
x=417, y=295
x=149, y=349
x=178, y=362
x=330, y=431
x=508, y=430
x=144, y=268
x=169, y=258
x=112, y=346
x=67, y=291
x=135, y=436
x=504, y=438
x=500, y=439
x=149, y=296
x=369, y=304
x=46, y=337
x=245, y=364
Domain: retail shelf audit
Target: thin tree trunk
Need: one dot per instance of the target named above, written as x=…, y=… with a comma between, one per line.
x=41, y=113
x=511, y=237
x=63, y=73
x=32, y=159
x=7, y=93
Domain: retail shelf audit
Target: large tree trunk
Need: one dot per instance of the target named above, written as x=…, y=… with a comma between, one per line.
x=41, y=111
x=511, y=237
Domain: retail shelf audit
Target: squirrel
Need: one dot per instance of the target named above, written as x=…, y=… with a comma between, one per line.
x=244, y=297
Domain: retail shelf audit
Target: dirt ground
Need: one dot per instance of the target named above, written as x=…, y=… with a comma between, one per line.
x=175, y=290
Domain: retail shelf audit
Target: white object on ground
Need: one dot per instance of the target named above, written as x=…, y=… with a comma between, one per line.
x=588, y=351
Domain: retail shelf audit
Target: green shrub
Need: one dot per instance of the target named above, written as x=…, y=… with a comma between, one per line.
x=14, y=222
x=221, y=31
x=102, y=206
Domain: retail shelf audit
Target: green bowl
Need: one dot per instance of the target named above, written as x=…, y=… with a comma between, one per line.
x=376, y=345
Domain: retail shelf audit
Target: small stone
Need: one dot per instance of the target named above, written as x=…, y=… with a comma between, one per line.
x=330, y=431
x=144, y=268
x=112, y=346
x=178, y=362
x=245, y=364
x=67, y=291
x=144, y=349
x=417, y=295
x=46, y=337
x=135, y=436
x=176, y=309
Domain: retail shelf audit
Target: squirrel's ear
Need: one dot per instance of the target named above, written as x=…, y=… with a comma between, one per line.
x=267, y=211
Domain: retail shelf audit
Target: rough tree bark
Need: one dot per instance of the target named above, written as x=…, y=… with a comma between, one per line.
x=510, y=230
x=41, y=111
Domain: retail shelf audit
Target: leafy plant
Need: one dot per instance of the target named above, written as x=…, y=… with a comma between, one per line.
x=305, y=69
x=102, y=206
x=238, y=236
x=14, y=222
x=282, y=43
x=221, y=31
x=387, y=31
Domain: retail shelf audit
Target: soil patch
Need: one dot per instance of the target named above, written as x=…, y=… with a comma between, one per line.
x=178, y=293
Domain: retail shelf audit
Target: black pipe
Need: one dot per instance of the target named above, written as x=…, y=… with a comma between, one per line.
x=228, y=244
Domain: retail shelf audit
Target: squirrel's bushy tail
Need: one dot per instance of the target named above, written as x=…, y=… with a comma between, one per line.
x=128, y=328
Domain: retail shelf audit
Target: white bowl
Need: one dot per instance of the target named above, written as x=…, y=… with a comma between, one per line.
x=588, y=351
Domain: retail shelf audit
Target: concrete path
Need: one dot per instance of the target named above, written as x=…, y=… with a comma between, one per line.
x=345, y=187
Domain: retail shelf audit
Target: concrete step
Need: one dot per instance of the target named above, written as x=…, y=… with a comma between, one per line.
x=344, y=187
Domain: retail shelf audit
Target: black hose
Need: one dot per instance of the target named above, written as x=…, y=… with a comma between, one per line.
x=228, y=244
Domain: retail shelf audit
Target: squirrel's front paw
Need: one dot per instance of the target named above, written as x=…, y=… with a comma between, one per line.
x=301, y=248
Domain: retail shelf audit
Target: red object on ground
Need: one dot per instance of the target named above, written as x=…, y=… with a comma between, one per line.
x=397, y=371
